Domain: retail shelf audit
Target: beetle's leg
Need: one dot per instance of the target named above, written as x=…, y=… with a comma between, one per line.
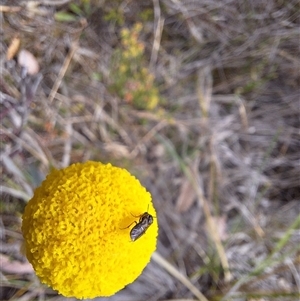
x=129, y=225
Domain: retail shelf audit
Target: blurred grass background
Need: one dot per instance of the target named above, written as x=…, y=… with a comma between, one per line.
x=198, y=99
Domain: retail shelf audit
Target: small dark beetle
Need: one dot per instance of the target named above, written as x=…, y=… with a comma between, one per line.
x=140, y=227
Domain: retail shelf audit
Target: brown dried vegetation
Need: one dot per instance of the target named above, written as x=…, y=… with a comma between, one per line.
x=204, y=110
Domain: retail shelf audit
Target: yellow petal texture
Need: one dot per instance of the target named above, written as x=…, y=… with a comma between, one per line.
x=74, y=230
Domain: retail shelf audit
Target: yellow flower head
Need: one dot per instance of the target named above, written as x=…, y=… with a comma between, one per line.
x=76, y=230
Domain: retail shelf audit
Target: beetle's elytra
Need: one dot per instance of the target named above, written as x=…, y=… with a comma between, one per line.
x=140, y=227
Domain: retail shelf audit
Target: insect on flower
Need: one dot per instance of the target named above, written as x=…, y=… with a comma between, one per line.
x=140, y=227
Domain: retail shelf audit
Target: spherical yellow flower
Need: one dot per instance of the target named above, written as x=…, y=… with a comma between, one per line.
x=76, y=230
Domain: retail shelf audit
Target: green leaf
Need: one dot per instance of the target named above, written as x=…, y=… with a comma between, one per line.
x=76, y=9
x=65, y=17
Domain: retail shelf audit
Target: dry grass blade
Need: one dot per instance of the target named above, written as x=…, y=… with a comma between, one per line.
x=179, y=300
x=157, y=35
x=268, y=262
x=194, y=178
x=62, y=71
x=186, y=196
x=14, y=267
x=175, y=273
x=204, y=89
x=9, y=9
x=68, y=145
x=15, y=193
x=54, y=2
x=38, y=154
x=212, y=227
x=160, y=125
